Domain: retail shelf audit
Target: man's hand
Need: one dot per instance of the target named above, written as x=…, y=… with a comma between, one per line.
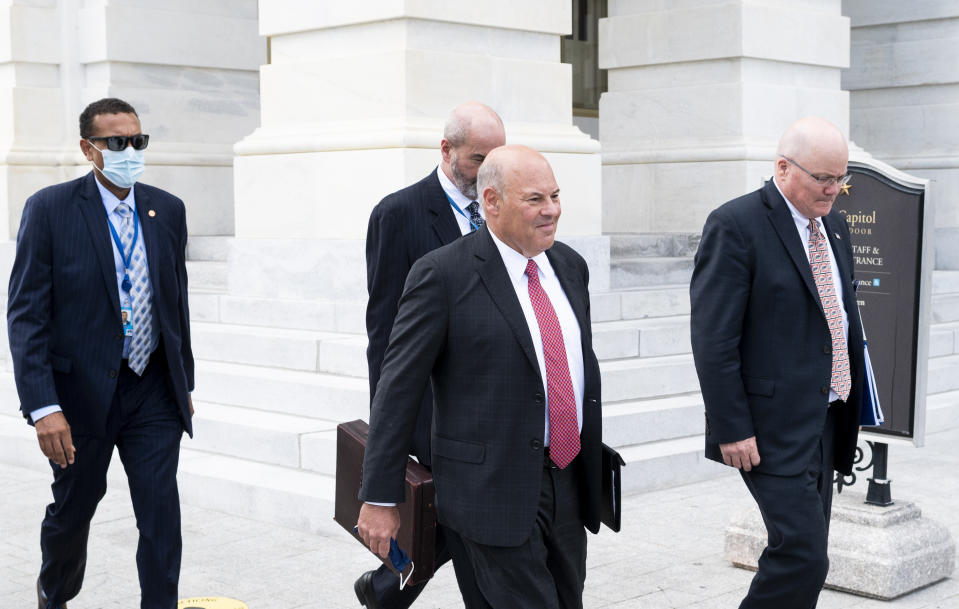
x=377, y=524
x=190, y=398
x=53, y=434
x=742, y=455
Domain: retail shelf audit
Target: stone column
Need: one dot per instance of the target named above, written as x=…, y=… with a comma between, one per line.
x=31, y=109
x=189, y=68
x=699, y=93
x=353, y=105
x=904, y=98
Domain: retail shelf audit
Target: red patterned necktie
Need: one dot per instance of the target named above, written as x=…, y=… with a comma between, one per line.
x=822, y=274
x=563, y=424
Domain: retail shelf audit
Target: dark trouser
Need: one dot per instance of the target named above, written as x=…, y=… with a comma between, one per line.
x=145, y=427
x=449, y=545
x=793, y=567
x=548, y=570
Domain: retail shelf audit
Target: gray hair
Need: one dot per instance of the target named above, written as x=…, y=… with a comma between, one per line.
x=461, y=119
x=490, y=175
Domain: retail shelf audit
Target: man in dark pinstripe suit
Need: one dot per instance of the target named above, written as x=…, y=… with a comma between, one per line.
x=92, y=254
x=404, y=226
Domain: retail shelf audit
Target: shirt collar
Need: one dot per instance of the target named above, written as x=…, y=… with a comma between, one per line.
x=801, y=221
x=453, y=192
x=516, y=262
x=110, y=200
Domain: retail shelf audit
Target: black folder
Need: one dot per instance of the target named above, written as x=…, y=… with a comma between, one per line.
x=612, y=510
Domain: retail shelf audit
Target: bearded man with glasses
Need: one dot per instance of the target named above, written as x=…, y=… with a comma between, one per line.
x=99, y=329
x=779, y=354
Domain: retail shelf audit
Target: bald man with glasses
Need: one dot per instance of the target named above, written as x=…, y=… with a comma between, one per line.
x=779, y=353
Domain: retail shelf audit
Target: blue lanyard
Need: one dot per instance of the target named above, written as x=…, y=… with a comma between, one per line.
x=125, y=257
x=460, y=211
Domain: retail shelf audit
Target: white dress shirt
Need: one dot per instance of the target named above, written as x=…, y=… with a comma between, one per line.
x=802, y=228
x=458, y=199
x=516, y=269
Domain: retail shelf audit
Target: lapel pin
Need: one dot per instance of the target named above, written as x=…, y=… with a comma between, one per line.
x=152, y=213
x=837, y=234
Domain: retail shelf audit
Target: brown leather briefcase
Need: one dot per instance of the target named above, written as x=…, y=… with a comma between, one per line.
x=417, y=534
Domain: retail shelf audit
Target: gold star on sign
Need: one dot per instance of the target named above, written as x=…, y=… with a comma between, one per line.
x=844, y=189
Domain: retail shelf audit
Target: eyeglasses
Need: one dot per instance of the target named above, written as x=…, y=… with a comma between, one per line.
x=118, y=143
x=821, y=180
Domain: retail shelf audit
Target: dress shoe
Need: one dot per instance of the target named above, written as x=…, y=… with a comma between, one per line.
x=42, y=598
x=363, y=586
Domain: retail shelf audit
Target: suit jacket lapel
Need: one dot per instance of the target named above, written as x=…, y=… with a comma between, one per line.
x=785, y=227
x=493, y=273
x=95, y=216
x=574, y=289
x=444, y=224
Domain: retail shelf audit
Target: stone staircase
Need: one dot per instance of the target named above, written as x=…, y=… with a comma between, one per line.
x=275, y=377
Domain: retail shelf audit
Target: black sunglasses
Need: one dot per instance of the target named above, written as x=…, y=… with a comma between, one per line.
x=117, y=143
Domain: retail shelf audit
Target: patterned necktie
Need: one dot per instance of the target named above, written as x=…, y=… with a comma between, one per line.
x=822, y=274
x=141, y=293
x=563, y=424
x=475, y=217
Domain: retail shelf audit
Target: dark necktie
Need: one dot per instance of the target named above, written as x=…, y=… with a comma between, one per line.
x=821, y=266
x=475, y=217
x=563, y=424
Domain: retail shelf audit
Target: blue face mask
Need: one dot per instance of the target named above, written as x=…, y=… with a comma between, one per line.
x=122, y=168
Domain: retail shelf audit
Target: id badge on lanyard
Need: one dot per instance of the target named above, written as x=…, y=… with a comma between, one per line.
x=126, y=308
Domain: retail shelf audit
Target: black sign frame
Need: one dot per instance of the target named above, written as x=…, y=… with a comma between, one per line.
x=897, y=322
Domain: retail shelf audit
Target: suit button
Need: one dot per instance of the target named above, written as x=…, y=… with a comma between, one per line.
x=112, y=374
x=827, y=349
x=825, y=390
x=535, y=444
x=539, y=398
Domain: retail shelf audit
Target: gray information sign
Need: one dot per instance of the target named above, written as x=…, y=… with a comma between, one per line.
x=887, y=217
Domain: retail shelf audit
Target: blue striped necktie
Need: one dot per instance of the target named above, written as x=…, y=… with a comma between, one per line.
x=141, y=293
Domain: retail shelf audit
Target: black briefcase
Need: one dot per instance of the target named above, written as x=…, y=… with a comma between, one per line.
x=417, y=534
x=612, y=508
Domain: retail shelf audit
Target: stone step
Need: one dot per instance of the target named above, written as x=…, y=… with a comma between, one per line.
x=332, y=352
x=317, y=395
x=209, y=275
x=640, y=303
x=634, y=379
x=256, y=435
x=945, y=308
x=646, y=245
x=315, y=315
x=640, y=421
x=666, y=463
x=641, y=337
x=942, y=411
x=627, y=273
x=341, y=353
x=945, y=282
x=943, y=374
x=201, y=247
x=293, y=498
x=942, y=339
x=310, y=443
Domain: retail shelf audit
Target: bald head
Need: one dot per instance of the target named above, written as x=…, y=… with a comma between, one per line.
x=811, y=158
x=811, y=136
x=521, y=198
x=469, y=117
x=471, y=131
